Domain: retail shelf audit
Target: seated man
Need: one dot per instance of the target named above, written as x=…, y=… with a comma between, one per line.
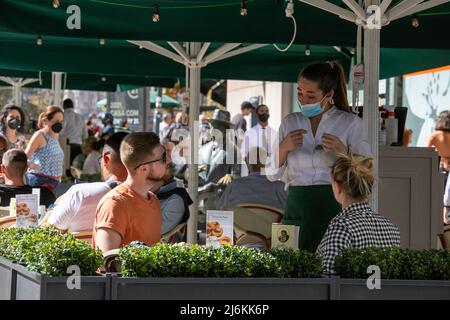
x=255, y=188
x=14, y=165
x=130, y=212
x=174, y=201
x=75, y=210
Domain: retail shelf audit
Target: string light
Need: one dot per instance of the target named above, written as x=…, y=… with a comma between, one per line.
x=141, y=47
x=102, y=41
x=308, y=50
x=39, y=41
x=243, y=8
x=103, y=79
x=415, y=21
x=155, y=16
x=352, y=51
x=56, y=4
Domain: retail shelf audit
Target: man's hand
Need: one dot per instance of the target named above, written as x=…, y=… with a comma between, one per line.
x=293, y=140
x=333, y=145
x=226, y=179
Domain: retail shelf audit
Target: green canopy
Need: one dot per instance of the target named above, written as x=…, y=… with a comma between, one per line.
x=166, y=101
x=213, y=21
x=76, y=81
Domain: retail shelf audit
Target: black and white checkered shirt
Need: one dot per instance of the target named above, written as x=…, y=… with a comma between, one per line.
x=357, y=226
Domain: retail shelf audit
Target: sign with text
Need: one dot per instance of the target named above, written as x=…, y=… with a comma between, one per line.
x=219, y=228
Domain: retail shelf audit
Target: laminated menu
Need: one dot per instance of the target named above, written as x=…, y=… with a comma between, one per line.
x=27, y=210
x=285, y=236
x=219, y=228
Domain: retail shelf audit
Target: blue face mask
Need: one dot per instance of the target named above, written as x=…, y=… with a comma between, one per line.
x=312, y=109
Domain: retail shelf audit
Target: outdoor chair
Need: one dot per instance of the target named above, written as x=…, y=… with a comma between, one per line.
x=177, y=234
x=85, y=235
x=7, y=222
x=253, y=223
x=444, y=239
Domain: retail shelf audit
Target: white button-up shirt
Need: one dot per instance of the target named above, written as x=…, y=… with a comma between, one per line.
x=308, y=165
x=254, y=138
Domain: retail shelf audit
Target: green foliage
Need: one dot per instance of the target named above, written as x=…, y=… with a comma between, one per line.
x=394, y=263
x=298, y=264
x=47, y=251
x=184, y=260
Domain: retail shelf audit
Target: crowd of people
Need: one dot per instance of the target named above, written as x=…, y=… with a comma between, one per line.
x=316, y=168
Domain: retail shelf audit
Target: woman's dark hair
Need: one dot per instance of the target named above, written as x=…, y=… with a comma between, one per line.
x=48, y=115
x=329, y=76
x=443, y=121
x=4, y=114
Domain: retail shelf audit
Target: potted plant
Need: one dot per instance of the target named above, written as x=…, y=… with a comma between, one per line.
x=41, y=263
x=182, y=271
x=404, y=274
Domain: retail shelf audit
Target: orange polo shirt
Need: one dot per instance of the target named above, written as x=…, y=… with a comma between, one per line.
x=128, y=213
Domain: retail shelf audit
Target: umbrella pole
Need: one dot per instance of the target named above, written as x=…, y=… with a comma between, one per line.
x=371, y=117
x=56, y=86
x=194, y=94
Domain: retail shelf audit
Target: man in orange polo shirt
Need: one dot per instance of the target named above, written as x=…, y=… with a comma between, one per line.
x=130, y=212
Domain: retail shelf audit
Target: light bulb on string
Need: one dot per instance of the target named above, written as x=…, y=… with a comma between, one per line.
x=141, y=47
x=56, y=4
x=352, y=51
x=103, y=79
x=39, y=41
x=243, y=8
x=415, y=21
x=308, y=50
x=102, y=41
x=155, y=16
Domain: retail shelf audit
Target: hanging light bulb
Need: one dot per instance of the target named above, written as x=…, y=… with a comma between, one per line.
x=308, y=50
x=103, y=79
x=56, y=4
x=415, y=21
x=352, y=51
x=102, y=41
x=155, y=16
x=39, y=41
x=141, y=47
x=243, y=8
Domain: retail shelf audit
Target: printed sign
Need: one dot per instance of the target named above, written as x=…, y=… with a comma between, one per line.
x=27, y=210
x=219, y=228
x=285, y=236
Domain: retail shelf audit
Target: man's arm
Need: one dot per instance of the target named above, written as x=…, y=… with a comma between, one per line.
x=107, y=239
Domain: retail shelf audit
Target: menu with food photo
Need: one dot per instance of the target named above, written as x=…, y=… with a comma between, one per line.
x=27, y=210
x=219, y=228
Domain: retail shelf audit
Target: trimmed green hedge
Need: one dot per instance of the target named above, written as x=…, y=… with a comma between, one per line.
x=184, y=260
x=394, y=263
x=45, y=250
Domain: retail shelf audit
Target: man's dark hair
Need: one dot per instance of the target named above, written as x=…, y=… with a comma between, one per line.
x=260, y=106
x=112, y=145
x=443, y=121
x=246, y=105
x=15, y=162
x=67, y=104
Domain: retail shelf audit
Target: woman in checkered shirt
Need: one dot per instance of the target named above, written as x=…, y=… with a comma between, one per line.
x=356, y=226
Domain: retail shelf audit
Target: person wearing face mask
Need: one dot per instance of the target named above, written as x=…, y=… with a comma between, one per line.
x=45, y=153
x=259, y=136
x=308, y=144
x=11, y=125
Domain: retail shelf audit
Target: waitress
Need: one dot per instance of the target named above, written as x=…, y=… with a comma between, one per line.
x=310, y=141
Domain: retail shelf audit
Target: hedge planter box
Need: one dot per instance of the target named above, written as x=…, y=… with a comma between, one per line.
x=221, y=288
x=6, y=279
x=356, y=289
x=19, y=283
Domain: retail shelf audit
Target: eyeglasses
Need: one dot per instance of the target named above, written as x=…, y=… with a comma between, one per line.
x=162, y=160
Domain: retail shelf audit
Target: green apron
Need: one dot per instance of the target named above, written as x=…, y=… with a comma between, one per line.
x=311, y=208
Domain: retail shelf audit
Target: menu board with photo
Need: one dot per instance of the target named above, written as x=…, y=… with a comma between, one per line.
x=219, y=228
x=27, y=210
x=285, y=236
